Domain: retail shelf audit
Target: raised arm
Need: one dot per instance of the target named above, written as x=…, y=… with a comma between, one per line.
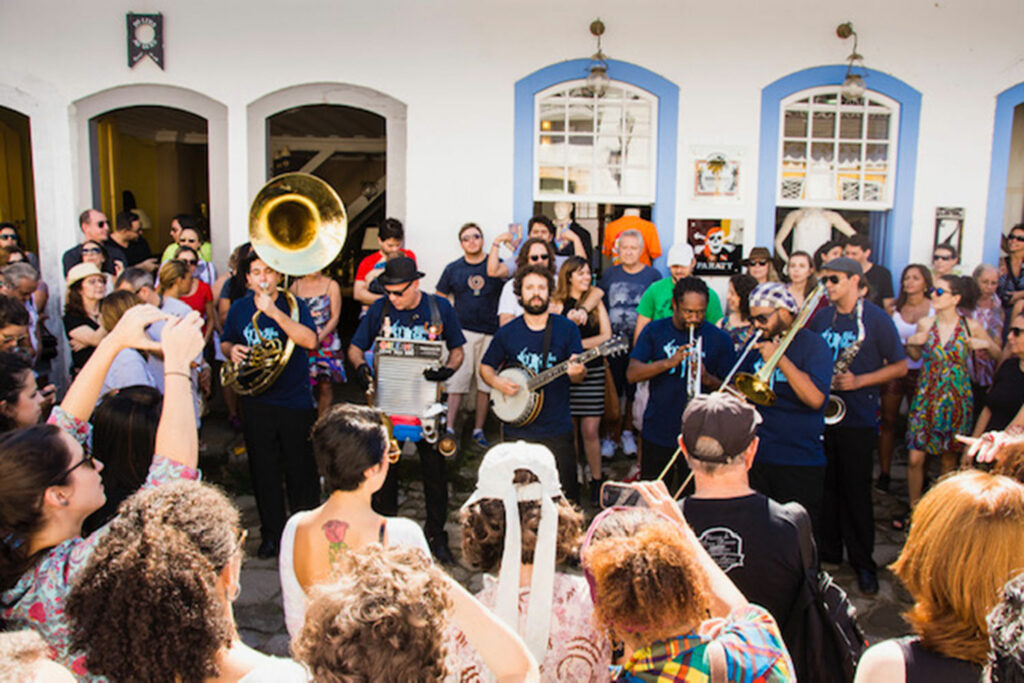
x=130, y=332
x=176, y=435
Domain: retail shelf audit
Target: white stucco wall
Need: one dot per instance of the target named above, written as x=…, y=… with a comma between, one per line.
x=454, y=64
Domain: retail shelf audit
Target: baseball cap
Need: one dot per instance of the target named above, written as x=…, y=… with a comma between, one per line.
x=844, y=265
x=681, y=254
x=722, y=418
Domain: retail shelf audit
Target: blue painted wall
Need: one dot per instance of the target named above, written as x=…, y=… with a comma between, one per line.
x=1006, y=102
x=663, y=214
x=895, y=252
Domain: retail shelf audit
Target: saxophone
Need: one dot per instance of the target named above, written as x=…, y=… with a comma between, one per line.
x=835, y=408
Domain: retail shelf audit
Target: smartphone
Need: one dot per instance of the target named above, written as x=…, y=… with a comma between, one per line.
x=517, y=235
x=618, y=494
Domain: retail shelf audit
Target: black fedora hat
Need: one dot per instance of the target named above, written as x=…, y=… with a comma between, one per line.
x=398, y=271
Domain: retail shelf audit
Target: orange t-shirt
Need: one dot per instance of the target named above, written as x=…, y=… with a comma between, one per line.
x=652, y=245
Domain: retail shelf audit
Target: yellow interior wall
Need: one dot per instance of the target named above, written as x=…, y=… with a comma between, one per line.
x=137, y=172
x=17, y=194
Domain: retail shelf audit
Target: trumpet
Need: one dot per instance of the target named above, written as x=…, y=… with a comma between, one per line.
x=693, y=365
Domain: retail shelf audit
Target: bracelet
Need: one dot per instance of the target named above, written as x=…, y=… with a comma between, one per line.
x=179, y=373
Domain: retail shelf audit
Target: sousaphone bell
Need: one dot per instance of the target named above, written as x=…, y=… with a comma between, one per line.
x=297, y=226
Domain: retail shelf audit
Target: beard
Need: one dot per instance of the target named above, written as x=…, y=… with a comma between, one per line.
x=535, y=306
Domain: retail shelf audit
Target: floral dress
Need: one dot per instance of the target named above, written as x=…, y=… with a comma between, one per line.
x=942, y=406
x=325, y=364
x=37, y=600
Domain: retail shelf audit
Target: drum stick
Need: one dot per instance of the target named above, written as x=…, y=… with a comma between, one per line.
x=685, y=484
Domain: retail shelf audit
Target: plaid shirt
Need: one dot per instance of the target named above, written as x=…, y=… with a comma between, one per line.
x=754, y=653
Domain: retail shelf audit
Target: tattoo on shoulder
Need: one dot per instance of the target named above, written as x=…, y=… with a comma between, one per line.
x=334, y=530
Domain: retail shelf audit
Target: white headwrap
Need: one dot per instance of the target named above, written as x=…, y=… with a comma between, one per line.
x=495, y=480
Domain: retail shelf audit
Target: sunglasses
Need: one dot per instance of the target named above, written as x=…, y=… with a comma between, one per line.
x=12, y=236
x=1016, y=331
x=87, y=459
x=16, y=338
x=92, y=250
x=939, y=291
x=103, y=224
x=398, y=292
x=471, y=236
x=831, y=279
x=187, y=261
x=762, y=318
x=758, y=263
x=1015, y=238
x=538, y=257
x=942, y=257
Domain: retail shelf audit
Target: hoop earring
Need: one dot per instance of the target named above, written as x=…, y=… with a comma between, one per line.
x=236, y=590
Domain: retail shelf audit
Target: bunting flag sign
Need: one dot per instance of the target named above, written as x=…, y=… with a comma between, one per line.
x=145, y=38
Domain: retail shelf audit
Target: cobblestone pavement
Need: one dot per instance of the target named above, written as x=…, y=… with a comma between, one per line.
x=258, y=609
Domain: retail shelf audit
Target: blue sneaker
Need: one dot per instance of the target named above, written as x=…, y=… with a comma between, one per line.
x=479, y=439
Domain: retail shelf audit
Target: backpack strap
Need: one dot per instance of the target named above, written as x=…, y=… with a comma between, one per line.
x=547, y=344
x=796, y=515
x=435, y=313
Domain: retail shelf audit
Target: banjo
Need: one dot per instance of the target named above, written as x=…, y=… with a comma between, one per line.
x=525, y=405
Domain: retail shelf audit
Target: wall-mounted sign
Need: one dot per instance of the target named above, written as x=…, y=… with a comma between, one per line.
x=716, y=172
x=949, y=227
x=717, y=243
x=145, y=38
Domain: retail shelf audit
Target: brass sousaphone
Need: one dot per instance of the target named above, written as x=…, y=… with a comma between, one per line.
x=297, y=226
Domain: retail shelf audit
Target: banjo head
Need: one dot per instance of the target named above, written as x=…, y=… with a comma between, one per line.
x=518, y=409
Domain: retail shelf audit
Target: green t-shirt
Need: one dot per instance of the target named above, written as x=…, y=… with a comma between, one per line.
x=205, y=252
x=656, y=303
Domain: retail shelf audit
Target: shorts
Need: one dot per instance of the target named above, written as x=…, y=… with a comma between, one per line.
x=618, y=365
x=474, y=349
x=905, y=386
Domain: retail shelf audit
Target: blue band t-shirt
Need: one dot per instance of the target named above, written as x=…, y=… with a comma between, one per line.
x=881, y=347
x=412, y=324
x=292, y=388
x=791, y=433
x=476, y=294
x=658, y=341
x=517, y=344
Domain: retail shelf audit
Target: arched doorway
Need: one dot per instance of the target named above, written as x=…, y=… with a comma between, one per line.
x=154, y=160
x=17, y=185
x=1006, y=177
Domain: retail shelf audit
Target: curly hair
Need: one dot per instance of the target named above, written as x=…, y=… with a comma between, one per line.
x=966, y=541
x=151, y=587
x=483, y=529
x=382, y=619
x=646, y=581
x=1006, y=634
x=517, y=279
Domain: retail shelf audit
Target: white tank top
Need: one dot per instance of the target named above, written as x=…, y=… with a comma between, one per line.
x=906, y=330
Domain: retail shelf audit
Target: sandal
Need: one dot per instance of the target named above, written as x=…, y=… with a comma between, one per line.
x=901, y=523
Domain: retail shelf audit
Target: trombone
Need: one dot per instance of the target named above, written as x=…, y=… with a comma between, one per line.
x=756, y=387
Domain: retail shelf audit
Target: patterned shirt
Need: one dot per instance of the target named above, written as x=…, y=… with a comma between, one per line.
x=750, y=638
x=37, y=600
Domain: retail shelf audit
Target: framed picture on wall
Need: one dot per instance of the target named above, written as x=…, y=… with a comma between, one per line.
x=717, y=243
x=949, y=227
x=716, y=173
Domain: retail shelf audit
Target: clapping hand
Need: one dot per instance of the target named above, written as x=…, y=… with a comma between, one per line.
x=130, y=331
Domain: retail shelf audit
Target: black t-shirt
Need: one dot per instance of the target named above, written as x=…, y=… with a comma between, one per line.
x=879, y=281
x=73, y=256
x=137, y=252
x=1006, y=396
x=71, y=321
x=752, y=542
x=585, y=240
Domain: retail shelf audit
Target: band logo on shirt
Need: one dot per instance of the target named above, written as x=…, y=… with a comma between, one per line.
x=837, y=341
x=396, y=330
x=670, y=347
x=476, y=282
x=531, y=360
x=724, y=546
x=253, y=339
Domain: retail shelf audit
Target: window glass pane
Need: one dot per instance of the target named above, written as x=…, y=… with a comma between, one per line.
x=877, y=153
x=794, y=150
x=796, y=124
x=580, y=180
x=638, y=119
x=609, y=120
x=581, y=118
x=551, y=149
x=822, y=151
x=551, y=179
x=826, y=98
x=608, y=179
x=849, y=155
x=552, y=117
x=850, y=124
x=823, y=125
x=638, y=153
x=878, y=126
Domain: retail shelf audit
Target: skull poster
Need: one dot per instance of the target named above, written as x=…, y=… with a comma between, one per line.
x=717, y=243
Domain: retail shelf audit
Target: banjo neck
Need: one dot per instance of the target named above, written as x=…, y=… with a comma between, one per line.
x=556, y=371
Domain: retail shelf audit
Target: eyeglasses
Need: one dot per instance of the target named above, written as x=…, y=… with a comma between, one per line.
x=831, y=279
x=1016, y=330
x=471, y=236
x=758, y=263
x=6, y=339
x=942, y=257
x=92, y=250
x=87, y=459
x=538, y=257
x=399, y=292
x=762, y=318
x=187, y=261
x=939, y=291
